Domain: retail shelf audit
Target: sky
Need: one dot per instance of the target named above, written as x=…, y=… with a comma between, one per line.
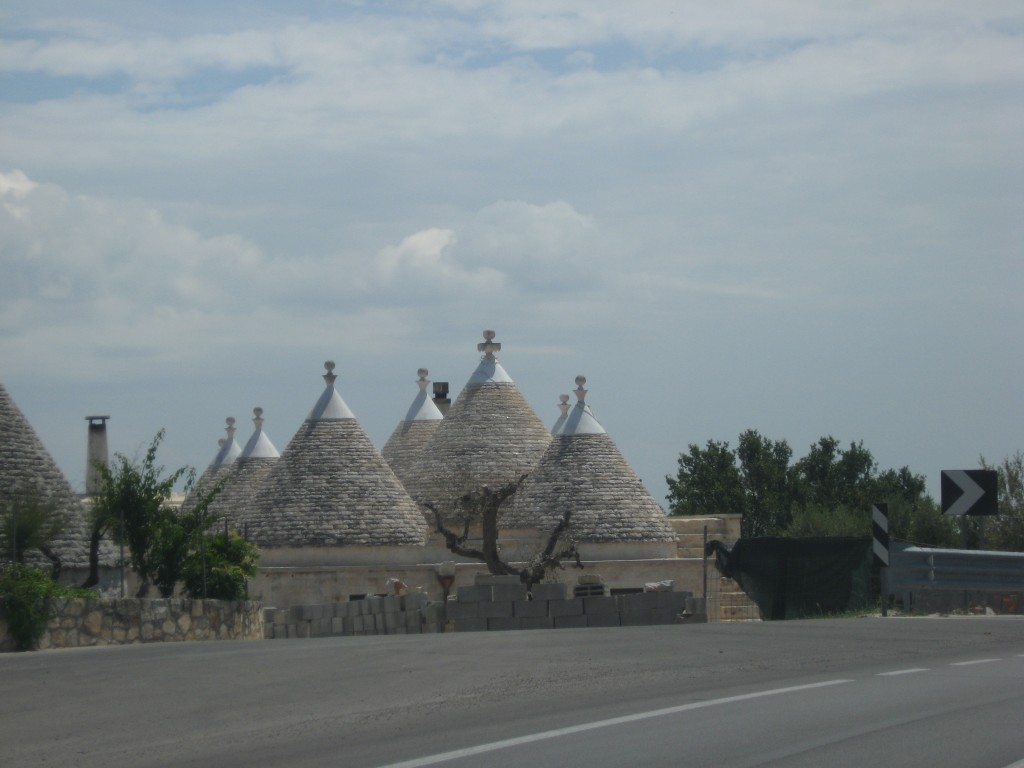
x=801, y=218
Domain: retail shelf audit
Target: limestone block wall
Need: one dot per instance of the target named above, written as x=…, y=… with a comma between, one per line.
x=81, y=622
x=327, y=585
x=375, y=615
x=500, y=603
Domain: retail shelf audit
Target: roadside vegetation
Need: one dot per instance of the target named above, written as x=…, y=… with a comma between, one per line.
x=166, y=546
x=829, y=492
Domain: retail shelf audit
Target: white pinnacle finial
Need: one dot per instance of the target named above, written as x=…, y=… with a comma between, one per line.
x=563, y=404
x=581, y=393
x=230, y=428
x=422, y=380
x=257, y=417
x=330, y=377
x=489, y=346
x=221, y=442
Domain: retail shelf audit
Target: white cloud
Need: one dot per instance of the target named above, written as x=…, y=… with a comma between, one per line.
x=781, y=194
x=423, y=263
x=89, y=275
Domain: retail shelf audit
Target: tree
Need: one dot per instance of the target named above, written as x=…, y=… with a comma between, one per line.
x=173, y=537
x=768, y=483
x=132, y=506
x=30, y=522
x=1006, y=529
x=829, y=476
x=481, y=506
x=913, y=515
x=221, y=568
x=828, y=492
x=707, y=482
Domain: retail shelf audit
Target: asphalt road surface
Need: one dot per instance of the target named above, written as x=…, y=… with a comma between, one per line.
x=880, y=692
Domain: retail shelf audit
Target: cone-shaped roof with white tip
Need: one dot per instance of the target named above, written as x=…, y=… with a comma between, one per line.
x=563, y=406
x=582, y=471
x=410, y=437
x=228, y=450
x=29, y=475
x=331, y=487
x=489, y=437
x=243, y=484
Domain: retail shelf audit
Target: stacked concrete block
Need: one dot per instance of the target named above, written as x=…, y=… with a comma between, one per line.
x=501, y=603
x=548, y=592
x=434, y=618
x=530, y=608
x=493, y=603
x=464, y=612
x=377, y=615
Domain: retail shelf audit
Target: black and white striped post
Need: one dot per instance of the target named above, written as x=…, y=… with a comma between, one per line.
x=880, y=548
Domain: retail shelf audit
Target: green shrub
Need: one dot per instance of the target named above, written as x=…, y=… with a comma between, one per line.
x=25, y=594
x=230, y=561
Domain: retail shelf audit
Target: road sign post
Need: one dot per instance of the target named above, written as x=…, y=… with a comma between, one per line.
x=880, y=549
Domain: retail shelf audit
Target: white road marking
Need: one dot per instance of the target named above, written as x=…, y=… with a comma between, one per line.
x=975, y=661
x=903, y=672
x=534, y=737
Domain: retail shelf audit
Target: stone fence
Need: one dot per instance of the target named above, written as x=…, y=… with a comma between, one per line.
x=499, y=603
x=493, y=603
x=375, y=615
x=78, y=622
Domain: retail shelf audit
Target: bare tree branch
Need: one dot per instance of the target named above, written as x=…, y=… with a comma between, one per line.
x=485, y=504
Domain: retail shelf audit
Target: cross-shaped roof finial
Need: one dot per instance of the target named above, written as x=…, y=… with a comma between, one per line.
x=489, y=346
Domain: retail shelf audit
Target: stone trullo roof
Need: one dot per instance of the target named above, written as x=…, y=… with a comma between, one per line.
x=227, y=451
x=244, y=480
x=409, y=439
x=28, y=471
x=331, y=487
x=490, y=437
x=583, y=471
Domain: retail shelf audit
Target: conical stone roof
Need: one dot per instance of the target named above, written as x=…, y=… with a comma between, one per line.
x=331, y=487
x=228, y=450
x=409, y=439
x=243, y=483
x=489, y=437
x=584, y=472
x=27, y=471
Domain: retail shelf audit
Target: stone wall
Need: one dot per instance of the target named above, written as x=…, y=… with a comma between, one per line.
x=500, y=603
x=80, y=622
x=492, y=603
x=327, y=585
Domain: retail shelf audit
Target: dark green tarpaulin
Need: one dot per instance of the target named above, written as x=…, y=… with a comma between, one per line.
x=800, y=578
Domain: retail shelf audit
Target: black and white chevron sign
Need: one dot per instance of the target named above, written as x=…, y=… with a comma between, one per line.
x=880, y=534
x=969, y=492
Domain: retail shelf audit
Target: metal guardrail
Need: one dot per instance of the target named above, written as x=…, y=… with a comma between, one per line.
x=993, y=578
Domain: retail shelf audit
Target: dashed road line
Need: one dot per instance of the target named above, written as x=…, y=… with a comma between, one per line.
x=973, y=661
x=903, y=672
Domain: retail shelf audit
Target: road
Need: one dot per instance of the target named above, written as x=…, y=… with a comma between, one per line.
x=893, y=692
